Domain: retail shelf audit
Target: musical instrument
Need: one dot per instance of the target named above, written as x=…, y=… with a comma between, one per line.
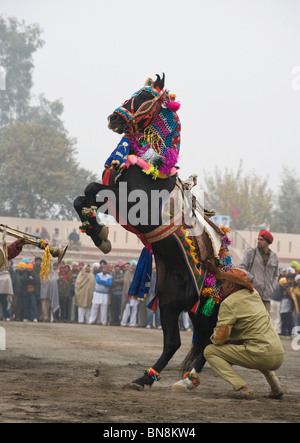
x=32, y=240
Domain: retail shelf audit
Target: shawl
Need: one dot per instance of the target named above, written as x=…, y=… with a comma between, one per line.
x=49, y=289
x=84, y=288
x=6, y=283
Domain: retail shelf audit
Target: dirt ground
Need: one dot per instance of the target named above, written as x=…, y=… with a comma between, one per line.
x=71, y=373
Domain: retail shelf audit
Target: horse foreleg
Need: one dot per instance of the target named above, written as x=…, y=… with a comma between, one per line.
x=97, y=232
x=172, y=342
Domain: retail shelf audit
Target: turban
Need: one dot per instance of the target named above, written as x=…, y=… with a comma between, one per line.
x=21, y=266
x=30, y=266
x=267, y=236
x=238, y=276
x=282, y=281
x=295, y=264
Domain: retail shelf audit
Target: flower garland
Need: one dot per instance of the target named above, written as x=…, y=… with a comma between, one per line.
x=45, y=268
x=212, y=286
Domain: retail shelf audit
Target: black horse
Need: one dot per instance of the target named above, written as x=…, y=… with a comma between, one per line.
x=175, y=289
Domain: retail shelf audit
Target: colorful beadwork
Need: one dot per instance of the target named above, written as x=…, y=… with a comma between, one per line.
x=157, y=141
x=152, y=373
x=193, y=378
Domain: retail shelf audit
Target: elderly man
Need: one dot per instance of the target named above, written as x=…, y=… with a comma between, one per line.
x=262, y=267
x=244, y=336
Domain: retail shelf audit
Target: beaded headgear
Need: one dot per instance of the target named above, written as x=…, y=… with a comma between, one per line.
x=147, y=110
x=153, y=130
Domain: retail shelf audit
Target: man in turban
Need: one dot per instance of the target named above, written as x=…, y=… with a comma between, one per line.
x=244, y=336
x=262, y=267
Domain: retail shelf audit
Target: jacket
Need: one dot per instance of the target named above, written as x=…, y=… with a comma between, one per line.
x=246, y=320
x=103, y=282
x=264, y=277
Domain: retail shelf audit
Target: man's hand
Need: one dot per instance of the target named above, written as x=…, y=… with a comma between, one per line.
x=20, y=243
x=211, y=266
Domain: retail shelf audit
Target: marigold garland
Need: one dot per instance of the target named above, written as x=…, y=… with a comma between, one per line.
x=212, y=287
x=45, y=268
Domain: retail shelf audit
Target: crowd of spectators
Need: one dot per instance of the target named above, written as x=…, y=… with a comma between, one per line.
x=285, y=301
x=78, y=292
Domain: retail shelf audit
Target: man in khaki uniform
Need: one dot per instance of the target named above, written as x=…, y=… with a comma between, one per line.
x=244, y=336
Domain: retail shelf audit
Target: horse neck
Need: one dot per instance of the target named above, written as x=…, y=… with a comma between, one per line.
x=135, y=184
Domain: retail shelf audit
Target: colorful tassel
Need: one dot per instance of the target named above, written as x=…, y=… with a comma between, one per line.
x=208, y=308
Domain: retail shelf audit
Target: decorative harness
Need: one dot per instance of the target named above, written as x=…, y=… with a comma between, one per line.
x=148, y=110
x=152, y=134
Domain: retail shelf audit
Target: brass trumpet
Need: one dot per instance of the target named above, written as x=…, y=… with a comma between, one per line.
x=34, y=240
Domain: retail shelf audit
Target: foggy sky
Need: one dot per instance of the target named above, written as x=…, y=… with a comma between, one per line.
x=231, y=63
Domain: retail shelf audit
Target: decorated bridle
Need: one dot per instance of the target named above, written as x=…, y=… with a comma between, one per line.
x=147, y=111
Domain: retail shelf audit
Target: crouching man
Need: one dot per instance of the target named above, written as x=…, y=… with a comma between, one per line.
x=244, y=336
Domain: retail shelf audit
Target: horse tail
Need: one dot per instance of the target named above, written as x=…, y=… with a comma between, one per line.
x=189, y=362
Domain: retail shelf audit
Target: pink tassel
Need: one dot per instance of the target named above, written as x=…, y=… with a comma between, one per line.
x=170, y=158
x=173, y=106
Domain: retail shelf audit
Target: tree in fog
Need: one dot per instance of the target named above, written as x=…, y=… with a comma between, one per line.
x=18, y=43
x=39, y=173
x=244, y=197
x=286, y=215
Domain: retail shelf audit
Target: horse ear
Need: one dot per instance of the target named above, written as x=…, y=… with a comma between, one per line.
x=160, y=82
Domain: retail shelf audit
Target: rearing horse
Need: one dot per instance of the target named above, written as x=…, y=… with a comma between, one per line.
x=145, y=161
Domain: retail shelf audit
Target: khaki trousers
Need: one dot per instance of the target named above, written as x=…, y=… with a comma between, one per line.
x=45, y=306
x=222, y=357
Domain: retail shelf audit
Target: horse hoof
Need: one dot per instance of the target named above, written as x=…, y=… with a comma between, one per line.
x=185, y=385
x=104, y=233
x=105, y=246
x=178, y=387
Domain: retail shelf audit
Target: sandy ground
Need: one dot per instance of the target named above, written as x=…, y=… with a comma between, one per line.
x=52, y=373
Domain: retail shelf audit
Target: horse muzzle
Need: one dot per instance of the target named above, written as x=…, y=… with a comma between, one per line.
x=116, y=123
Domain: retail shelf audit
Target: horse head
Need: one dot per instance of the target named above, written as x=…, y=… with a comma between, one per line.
x=135, y=114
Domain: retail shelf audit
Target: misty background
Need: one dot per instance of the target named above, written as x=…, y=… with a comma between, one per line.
x=234, y=65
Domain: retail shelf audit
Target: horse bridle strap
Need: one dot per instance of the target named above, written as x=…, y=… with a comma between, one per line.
x=149, y=108
x=161, y=232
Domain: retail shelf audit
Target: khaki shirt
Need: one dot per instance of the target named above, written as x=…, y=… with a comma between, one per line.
x=248, y=322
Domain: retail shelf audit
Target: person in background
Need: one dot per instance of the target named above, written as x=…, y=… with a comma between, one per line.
x=84, y=290
x=72, y=307
x=286, y=311
x=151, y=295
x=100, y=297
x=295, y=293
x=74, y=242
x=262, y=267
x=37, y=270
x=275, y=304
x=56, y=238
x=116, y=291
x=130, y=305
x=64, y=294
x=30, y=306
x=19, y=292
